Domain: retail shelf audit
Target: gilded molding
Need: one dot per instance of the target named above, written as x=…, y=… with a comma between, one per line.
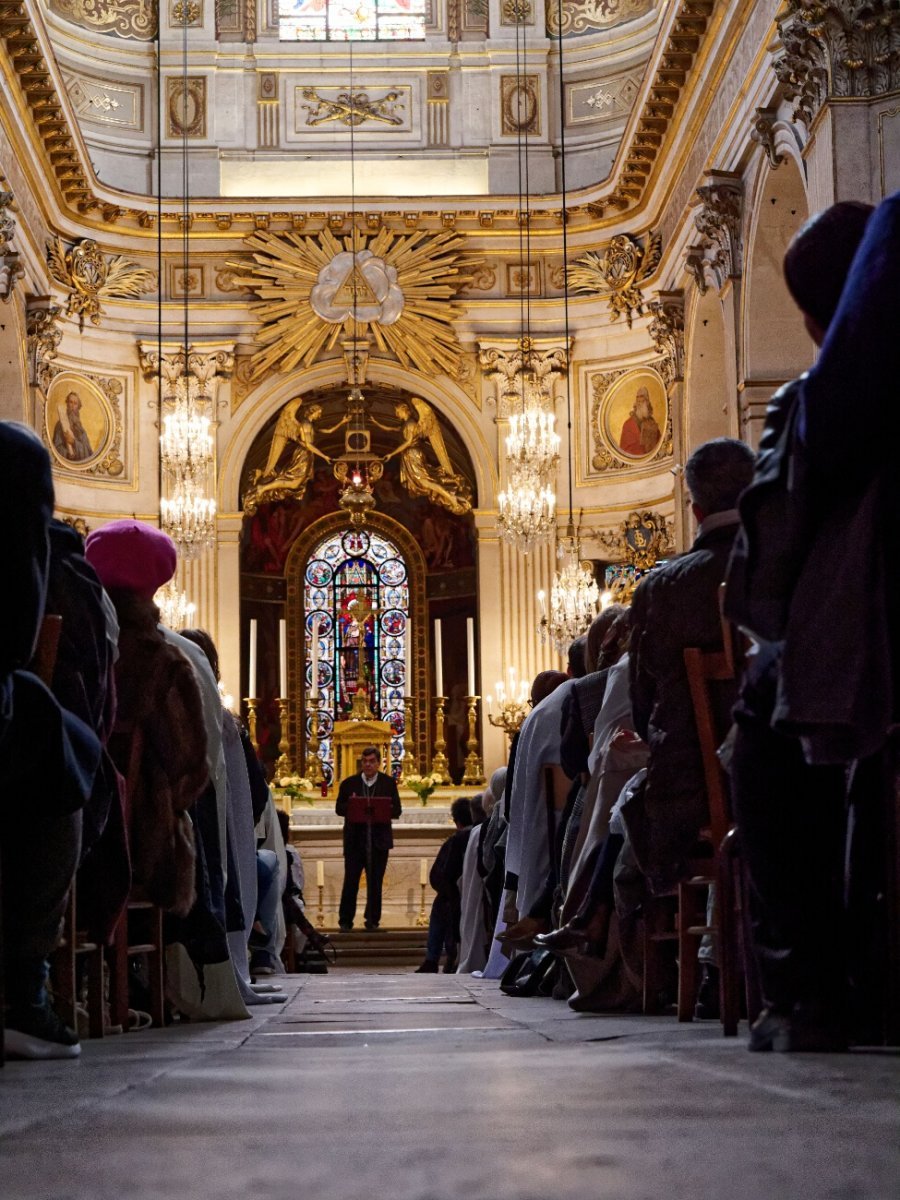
x=135, y=19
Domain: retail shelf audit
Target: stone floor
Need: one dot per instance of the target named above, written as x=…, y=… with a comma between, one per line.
x=431, y=1087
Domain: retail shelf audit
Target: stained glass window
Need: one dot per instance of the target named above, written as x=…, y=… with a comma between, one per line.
x=356, y=584
x=351, y=20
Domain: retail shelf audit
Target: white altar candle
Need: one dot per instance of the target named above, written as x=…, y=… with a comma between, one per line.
x=438, y=660
x=320, y=873
x=314, y=660
x=282, y=657
x=423, y=871
x=470, y=650
x=251, y=671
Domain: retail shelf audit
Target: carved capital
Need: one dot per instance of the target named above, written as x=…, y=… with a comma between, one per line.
x=42, y=339
x=207, y=363
x=719, y=253
x=667, y=331
x=506, y=364
x=11, y=268
x=762, y=131
x=837, y=48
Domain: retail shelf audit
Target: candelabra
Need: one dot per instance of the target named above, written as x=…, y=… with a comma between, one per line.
x=511, y=710
x=474, y=768
x=313, y=762
x=408, y=766
x=252, y=702
x=422, y=918
x=283, y=765
x=439, y=758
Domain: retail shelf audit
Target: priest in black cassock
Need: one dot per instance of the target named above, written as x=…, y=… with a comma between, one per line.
x=366, y=847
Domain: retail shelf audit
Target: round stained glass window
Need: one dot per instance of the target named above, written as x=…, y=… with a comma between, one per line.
x=393, y=571
x=393, y=622
x=326, y=624
x=393, y=672
x=355, y=541
x=319, y=573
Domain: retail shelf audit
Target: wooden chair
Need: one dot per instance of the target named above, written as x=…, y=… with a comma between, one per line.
x=724, y=869
x=73, y=946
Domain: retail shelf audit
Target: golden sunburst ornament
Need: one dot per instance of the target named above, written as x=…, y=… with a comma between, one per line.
x=315, y=290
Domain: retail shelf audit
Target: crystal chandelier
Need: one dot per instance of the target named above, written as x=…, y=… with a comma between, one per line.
x=532, y=438
x=574, y=597
x=174, y=607
x=186, y=445
x=527, y=507
x=188, y=515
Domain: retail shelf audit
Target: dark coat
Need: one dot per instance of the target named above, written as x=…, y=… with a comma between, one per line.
x=675, y=606
x=355, y=835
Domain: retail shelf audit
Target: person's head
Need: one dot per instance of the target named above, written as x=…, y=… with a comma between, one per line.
x=370, y=760
x=73, y=404
x=461, y=812
x=642, y=407
x=615, y=643
x=202, y=639
x=600, y=627
x=544, y=683
x=494, y=793
x=131, y=556
x=576, y=664
x=479, y=813
x=716, y=474
x=818, y=261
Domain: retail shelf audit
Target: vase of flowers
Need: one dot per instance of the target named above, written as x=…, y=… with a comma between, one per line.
x=293, y=788
x=422, y=785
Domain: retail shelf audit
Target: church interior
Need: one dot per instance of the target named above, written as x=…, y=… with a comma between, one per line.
x=390, y=331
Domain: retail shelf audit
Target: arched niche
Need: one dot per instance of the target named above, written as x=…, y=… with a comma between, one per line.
x=776, y=345
x=709, y=384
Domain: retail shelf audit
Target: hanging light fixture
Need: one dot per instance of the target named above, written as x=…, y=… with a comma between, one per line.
x=175, y=610
x=574, y=595
x=527, y=505
x=186, y=445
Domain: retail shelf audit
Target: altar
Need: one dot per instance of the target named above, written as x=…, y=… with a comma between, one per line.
x=317, y=832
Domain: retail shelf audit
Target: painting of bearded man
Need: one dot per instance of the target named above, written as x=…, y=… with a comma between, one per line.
x=640, y=432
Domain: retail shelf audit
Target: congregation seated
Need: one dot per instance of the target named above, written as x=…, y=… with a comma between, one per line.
x=446, y=872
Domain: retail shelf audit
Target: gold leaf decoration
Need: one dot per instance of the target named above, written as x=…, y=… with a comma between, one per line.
x=92, y=278
x=313, y=291
x=627, y=264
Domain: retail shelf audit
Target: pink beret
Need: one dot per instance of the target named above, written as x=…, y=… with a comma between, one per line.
x=131, y=556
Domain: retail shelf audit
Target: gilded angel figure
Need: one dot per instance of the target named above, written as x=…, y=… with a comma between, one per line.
x=442, y=485
x=295, y=430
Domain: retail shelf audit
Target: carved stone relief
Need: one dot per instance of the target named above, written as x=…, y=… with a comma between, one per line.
x=520, y=104
x=608, y=100
x=326, y=108
x=43, y=336
x=90, y=277
x=580, y=16
x=762, y=131
x=503, y=364
x=186, y=107
x=121, y=18
x=104, y=103
x=627, y=264
x=11, y=268
x=641, y=540
x=666, y=330
x=718, y=254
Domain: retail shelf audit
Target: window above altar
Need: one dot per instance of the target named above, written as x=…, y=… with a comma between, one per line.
x=352, y=20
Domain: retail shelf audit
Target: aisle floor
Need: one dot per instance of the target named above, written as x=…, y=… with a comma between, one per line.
x=399, y=1086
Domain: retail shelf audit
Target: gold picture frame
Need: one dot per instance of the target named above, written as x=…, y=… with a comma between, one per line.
x=79, y=422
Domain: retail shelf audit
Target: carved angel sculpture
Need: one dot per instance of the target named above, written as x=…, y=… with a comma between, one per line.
x=295, y=430
x=442, y=485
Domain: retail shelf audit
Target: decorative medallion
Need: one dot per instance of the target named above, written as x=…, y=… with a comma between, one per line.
x=313, y=291
x=91, y=278
x=83, y=423
x=186, y=107
x=630, y=419
x=627, y=264
x=641, y=540
x=520, y=104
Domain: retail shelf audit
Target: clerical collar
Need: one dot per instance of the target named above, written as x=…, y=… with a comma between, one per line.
x=368, y=780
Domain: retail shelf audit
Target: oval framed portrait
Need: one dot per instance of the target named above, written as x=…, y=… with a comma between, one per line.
x=79, y=421
x=635, y=415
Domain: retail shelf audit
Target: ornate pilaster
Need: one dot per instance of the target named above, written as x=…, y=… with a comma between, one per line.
x=505, y=361
x=666, y=330
x=42, y=339
x=837, y=49
x=762, y=131
x=718, y=254
x=10, y=267
x=208, y=362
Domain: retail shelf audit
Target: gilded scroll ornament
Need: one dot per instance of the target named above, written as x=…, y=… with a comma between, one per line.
x=121, y=18
x=315, y=291
x=91, y=278
x=627, y=264
x=641, y=540
x=579, y=16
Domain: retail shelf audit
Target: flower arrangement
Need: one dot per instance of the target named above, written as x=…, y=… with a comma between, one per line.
x=422, y=785
x=293, y=787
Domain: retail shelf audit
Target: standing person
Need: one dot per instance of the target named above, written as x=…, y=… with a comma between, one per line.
x=367, y=843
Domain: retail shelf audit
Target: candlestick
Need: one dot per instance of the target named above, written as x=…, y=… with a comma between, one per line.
x=252, y=702
x=320, y=915
x=282, y=657
x=320, y=873
x=470, y=653
x=251, y=671
x=423, y=870
x=422, y=918
x=438, y=660
x=439, y=758
x=313, y=768
x=408, y=765
x=473, y=771
x=283, y=765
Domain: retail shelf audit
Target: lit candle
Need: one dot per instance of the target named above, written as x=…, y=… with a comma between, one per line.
x=423, y=871
x=470, y=649
x=541, y=596
x=251, y=671
x=438, y=660
x=490, y=704
x=314, y=658
x=282, y=657
x=320, y=873
x=408, y=658
x=500, y=690
x=512, y=680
